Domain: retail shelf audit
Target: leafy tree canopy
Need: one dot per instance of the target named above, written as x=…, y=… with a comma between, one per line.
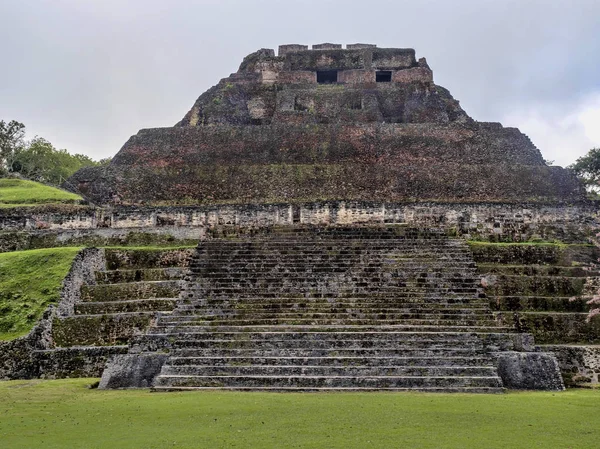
x=588, y=169
x=37, y=159
x=11, y=139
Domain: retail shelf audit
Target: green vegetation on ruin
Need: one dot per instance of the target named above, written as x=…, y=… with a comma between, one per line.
x=29, y=282
x=59, y=414
x=20, y=192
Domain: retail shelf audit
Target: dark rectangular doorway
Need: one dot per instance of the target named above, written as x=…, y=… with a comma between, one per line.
x=383, y=76
x=327, y=76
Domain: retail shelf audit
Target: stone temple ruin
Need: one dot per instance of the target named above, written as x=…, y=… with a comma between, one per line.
x=340, y=199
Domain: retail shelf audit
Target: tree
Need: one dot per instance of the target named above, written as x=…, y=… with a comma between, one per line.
x=11, y=140
x=40, y=161
x=587, y=168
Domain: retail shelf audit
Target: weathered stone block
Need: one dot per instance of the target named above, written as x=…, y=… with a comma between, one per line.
x=298, y=77
x=356, y=76
x=530, y=371
x=360, y=46
x=413, y=75
x=579, y=364
x=289, y=48
x=327, y=46
x=132, y=371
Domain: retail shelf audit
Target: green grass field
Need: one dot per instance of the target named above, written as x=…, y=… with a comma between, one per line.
x=65, y=414
x=29, y=282
x=19, y=192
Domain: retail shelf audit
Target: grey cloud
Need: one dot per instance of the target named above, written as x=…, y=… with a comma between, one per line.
x=87, y=75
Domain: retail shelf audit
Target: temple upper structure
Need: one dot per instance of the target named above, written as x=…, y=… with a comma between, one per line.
x=327, y=123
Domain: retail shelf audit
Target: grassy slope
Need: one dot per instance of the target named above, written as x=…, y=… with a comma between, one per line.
x=61, y=414
x=18, y=192
x=29, y=281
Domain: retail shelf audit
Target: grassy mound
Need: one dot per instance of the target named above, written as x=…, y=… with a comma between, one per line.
x=19, y=192
x=59, y=414
x=29, y=282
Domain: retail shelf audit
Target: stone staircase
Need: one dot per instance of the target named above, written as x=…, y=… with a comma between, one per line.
x=335, y=308
x=543, y=290
x=122, y=302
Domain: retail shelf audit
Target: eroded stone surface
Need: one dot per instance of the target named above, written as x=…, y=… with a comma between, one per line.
x=361, y=123
x=530, y=371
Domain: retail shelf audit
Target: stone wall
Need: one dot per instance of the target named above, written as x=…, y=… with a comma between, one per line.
x=580, y=365
x=20, y=229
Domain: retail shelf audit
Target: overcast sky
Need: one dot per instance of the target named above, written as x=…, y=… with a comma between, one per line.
x=88, y=74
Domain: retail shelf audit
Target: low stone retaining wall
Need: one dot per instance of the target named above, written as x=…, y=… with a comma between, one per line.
x=27, y=228
x=579, y=364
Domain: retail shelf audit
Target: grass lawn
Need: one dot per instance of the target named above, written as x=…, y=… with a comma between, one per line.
x=65, y=414
x=29, y=282
x=19, y=192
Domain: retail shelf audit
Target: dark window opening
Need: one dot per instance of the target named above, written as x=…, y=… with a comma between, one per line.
x=383, y=76
x=327, y=76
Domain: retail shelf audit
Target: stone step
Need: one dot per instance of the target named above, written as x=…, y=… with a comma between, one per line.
x=507, y=285
x=246, y=291
x=441, y=353
x=180, y=314
x=315, y=345
x=553, y=327
x=464, y=390
x=332, y=253
x=311, y=327
x=539, y=303
x=134, y=305
x=329, y=301
x=210, y=328
x=305, y=258
x=100, y=330
x=329, y=381
x=365, y=265
x=137, y=275
x=373, y=334
x=275, y=320
x=332, y=361
x=316, y=307
x=148, y=258
x=354, y=234
x=131, y=290
x=285, y=280
x=338, y=318
x=537, y=270
x=340, y=313
x=323, y=370
x=349, y=238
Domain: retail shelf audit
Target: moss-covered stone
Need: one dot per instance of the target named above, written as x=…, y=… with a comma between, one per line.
x=538, y=303
x=130, y=291
x=536, y=286
x=147, y=258
x=534, y=253
x=99, y=330
x=553, y=327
